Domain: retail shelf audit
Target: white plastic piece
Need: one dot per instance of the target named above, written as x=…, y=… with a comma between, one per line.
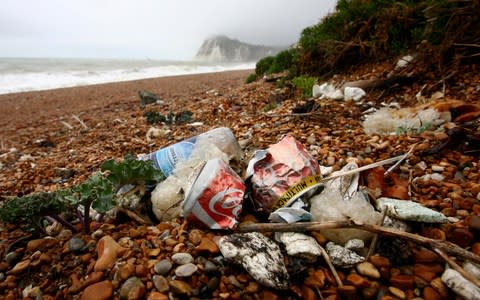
x=328, y=91
x=353, y=93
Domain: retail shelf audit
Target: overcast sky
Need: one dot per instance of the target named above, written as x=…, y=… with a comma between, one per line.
x=156, y=29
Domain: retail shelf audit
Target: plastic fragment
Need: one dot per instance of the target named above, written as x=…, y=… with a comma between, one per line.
x=353, y=93
x=460, y=285
x=343, y=257
x=409, y=211
x=260, y=256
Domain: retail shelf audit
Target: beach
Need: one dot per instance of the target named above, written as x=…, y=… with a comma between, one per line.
x=56, y=139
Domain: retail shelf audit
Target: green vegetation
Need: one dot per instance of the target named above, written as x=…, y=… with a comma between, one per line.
x=305, y=84
x=270, y=106
x=251, y=78
x=441, y=33
x=99, y=192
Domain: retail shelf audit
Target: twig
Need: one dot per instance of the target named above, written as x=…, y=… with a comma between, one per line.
x=70, y=127
x=80, y=121
x=466, y=45
x=315, y=226
x=399, y=161
x=373, y=244
x=134, y=216
x=330, y=265
x=456, y=267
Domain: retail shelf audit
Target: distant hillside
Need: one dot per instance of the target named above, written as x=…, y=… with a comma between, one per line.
x=224, y=49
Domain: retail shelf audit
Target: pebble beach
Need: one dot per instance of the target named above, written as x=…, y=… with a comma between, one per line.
x=57, y=138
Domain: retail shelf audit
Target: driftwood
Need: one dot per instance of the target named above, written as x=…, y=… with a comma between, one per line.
x=380, y=83
x=444, y=246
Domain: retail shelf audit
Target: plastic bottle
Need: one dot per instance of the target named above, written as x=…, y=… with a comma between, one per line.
x=167, y=158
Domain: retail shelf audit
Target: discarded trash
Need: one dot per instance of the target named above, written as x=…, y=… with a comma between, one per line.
x=281, y=172
x=329, y=91
x=388, y=121
x=409, y=211
x=340, y=201
x=215, y=198
x=353, y=93
x=460, y=285
x=167, y=158
x=326, y=90
x=343, y=257
x=167, y=197
x=404, y=61
x=300, y=245
x=260, y=256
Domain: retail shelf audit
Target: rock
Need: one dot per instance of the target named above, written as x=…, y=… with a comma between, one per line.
x=315, y=279
x=402, y=281
x=397, y=292
x=11, y=257
x=41, y=244
x=124, y=271
x=207, y=245
x=182, y=258
x=460, y=285
x=147, y=98
x=368, y=269
x=195, y=236
x=462, y=237
x=343, y=257
x=299, y=244
x=99, y=291
x=108, y=251
x=93, y=278
x=32, y=292
x=426, y=256
x=157, y=296
x=141, y=270
x=427, y=271
x=358, y=281
x=179, y=287
x=163, y=267
x=431, y=294
x=160, y=283
x=132, y=288
x=186, y=270
x=76, y=244
x=20, y=267
x=210, y=267
x=259, y=255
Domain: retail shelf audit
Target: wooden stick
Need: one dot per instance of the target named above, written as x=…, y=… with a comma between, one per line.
x=80, y=121
x=330, y=265
x=315, y=226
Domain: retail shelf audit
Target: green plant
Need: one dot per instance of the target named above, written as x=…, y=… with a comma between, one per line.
x=263, y=65
x=305, y=84
x=251, y=78
x=284, y=60
x=154, y=117
x=99, y=192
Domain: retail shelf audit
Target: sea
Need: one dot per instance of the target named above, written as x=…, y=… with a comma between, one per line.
x=35, y=74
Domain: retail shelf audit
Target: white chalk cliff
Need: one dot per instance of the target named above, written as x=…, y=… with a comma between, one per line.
x=224, y=49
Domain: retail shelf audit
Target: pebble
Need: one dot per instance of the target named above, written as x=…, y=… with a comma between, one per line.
x=179, y=287
x=402, y=281
x=163, y=267
x=161, y=283
x=99, y=291
x=132, y=288
x=368, y=269
x=396, y=292
x=430, y=293
x=210, y=267
x=125, y=271
x=208, y=245
x=20, y=267
x=41, y=244
x=76, y=244
x=358, y=281
x=186, y=270
x=11, y=257
x=157, y=296
x=195, y=236
x=108, y=251
x=182, y=258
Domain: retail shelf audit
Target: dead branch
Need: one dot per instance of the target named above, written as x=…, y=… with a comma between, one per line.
x=315, y=226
